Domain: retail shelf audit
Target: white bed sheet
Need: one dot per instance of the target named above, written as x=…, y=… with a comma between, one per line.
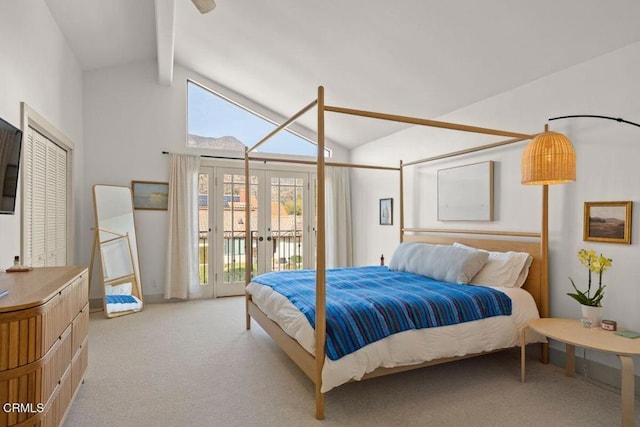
x=406, y=348
x=120, y=307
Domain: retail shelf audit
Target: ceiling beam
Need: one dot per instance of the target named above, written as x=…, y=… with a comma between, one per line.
x=165, y=39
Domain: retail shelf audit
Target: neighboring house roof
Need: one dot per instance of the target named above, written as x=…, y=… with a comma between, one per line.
x=234, y=221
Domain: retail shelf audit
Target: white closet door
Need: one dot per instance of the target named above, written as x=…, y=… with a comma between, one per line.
x=39, y=202
x=45, y=205
x=56, y=172
x=61, y=207
x=27, y=191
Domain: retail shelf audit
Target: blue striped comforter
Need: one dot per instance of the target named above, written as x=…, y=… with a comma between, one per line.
x=120, y=299
x=367, y=304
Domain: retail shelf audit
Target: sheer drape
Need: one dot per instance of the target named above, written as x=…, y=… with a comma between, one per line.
x=182, y=271
x=338, y=217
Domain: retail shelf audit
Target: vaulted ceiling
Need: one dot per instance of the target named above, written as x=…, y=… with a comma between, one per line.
x=421, y=58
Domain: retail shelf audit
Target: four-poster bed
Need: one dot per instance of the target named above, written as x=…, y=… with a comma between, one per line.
x=312, y=357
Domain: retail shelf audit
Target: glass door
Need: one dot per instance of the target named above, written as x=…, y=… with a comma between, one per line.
x=205, y=227
x=287, y=223
x=231, y=253
x=280, y=226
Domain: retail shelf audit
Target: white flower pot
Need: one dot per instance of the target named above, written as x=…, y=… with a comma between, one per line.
x=594, y=314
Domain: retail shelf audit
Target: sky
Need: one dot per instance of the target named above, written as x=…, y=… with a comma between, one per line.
x=617, y=212
x=213, y=116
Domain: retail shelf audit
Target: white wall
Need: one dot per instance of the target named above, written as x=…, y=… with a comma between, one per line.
x=37, y=67
x=129, y=121
x=607, y=170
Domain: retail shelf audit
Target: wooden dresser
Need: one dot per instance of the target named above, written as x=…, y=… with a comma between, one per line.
x=44, y=323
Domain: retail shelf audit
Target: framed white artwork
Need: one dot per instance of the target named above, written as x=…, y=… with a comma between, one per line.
x=386, y=211
x=465, y=193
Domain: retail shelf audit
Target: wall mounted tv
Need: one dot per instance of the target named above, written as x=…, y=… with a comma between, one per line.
x=10, y=145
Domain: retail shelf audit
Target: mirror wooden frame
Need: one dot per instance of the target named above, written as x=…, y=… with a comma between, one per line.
x=117, y=246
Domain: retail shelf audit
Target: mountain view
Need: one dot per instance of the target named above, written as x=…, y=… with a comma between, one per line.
x=230, y=143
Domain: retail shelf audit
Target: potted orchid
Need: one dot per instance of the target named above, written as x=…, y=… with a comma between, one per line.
x=591, y=302
x=595, y=264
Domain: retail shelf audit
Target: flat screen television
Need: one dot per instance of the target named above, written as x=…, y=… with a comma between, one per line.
x=10, y=145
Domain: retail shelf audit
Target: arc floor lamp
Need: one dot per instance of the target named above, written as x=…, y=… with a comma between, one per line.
x=551, y=159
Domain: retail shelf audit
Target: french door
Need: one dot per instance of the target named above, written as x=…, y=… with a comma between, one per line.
x=281, y=213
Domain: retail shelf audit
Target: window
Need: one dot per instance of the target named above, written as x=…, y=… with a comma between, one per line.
x=218, y=123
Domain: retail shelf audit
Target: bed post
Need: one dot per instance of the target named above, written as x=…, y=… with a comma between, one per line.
x=248, y=254
x=321, y=273
x=544, y=243
x=401, y=202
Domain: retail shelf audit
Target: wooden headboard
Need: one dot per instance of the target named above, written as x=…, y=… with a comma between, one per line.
x=534, y=284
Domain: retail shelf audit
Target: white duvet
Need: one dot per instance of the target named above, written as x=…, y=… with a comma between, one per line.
x=126, y=306
x=409, y=347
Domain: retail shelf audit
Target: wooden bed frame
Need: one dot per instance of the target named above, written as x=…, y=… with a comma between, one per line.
x=534, y=243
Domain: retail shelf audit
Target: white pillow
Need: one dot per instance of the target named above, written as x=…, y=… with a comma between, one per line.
x=505, y=269
x=441, y=262
x=122, y=289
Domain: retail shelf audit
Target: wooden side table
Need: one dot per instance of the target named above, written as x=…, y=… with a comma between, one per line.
x=571, y=332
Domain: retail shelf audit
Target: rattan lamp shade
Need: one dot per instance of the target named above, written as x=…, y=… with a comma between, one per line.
x=549, y=159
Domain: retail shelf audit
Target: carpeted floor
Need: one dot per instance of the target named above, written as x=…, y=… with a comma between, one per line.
x=194, y=364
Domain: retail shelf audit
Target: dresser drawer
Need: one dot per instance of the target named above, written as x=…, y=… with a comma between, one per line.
x=80, y=328
x=43, y=343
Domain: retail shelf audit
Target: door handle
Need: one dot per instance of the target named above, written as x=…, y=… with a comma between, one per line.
x=260, y=238
x=269, y=239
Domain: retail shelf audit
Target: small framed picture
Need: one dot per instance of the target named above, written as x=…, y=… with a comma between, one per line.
x=386, y=211
x=150, y=195
x=607, y=222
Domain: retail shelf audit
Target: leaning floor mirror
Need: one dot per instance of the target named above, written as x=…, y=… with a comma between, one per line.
x=116, y=247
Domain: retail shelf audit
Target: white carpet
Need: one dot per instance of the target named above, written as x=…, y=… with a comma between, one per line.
x=194, y=364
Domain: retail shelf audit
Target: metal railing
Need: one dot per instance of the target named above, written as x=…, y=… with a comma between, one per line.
x=286, y=249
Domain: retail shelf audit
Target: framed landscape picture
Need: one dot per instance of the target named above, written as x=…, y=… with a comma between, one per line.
x=150, y=195
x=607, y=222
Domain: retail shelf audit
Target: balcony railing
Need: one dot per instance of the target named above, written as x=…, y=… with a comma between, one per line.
x=286, y=254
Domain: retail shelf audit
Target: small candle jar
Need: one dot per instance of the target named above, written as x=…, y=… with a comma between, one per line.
x=609, y=325
x=586, y=323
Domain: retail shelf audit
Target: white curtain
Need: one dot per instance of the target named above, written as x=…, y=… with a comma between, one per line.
x=339, y=239
x=182, y=270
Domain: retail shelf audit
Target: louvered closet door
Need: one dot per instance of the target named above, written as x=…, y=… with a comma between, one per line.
x=56, y=222
x=45, y=204
x=35, y=163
